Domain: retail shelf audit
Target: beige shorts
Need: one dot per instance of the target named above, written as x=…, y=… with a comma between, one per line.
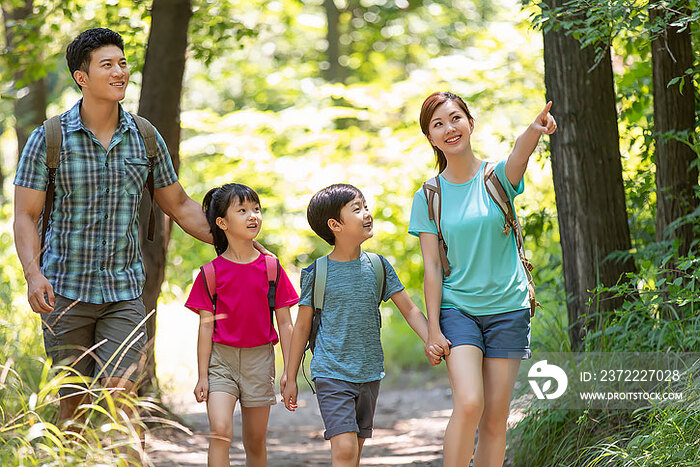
x=246, y=373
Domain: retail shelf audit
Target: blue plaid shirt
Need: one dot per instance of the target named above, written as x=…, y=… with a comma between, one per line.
x=92, y=251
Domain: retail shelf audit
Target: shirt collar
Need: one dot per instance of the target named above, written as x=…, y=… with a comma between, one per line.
x=74, y=122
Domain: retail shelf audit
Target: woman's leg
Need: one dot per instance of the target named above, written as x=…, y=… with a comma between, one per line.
x=220, y=407
x=464, y=369
x=255, y=435
x=499, y=378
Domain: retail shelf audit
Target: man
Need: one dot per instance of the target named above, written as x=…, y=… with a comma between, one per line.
x=88, y=289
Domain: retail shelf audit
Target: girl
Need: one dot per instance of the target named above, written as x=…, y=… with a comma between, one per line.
x=235, y=353
x=479, y=313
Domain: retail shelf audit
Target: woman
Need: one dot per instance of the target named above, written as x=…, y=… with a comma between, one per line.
x=479, y=313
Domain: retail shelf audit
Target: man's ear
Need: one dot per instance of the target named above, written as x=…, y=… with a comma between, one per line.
x=334, y=225
x=80, y=77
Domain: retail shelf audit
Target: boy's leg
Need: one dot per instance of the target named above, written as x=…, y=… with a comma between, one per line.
x=345, y=449
x=464, y=369
x=220, y=406
x=499, y=379
x=255, y=435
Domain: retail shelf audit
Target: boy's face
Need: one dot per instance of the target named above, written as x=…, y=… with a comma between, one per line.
x=107, y=75
x=356, y=222
x=242, y=220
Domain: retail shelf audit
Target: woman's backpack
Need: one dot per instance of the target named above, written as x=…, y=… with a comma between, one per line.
x=497, y=193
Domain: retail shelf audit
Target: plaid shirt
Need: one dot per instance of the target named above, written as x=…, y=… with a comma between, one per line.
x=92, y=251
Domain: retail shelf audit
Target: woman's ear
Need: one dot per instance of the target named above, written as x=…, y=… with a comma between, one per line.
x=471, y=125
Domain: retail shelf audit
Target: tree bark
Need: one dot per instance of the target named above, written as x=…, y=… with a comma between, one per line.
x=587, y=175
x=335, y=72
x=160, y=103
x=674, y=111
x=30, y=109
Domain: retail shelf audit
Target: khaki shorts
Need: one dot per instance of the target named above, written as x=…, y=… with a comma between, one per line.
x=248, y=373
x=114, y=331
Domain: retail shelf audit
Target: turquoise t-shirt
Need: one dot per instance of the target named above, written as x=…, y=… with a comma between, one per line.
x=348, y=345
x=486, y=276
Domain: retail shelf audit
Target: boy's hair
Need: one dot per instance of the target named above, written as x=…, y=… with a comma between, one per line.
x=326, y=204
x=79, y=52
x=215, y=204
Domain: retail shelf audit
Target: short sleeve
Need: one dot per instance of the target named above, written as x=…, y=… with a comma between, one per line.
x=286, y=295
x=511, y=191
x=163, y=170
x=32, y=171
x=198, y=298
x=393, y=284
x=420, y=221
x=306, y=280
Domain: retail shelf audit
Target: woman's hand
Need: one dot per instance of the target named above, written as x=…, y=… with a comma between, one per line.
x=545, y=123
x=438, y=345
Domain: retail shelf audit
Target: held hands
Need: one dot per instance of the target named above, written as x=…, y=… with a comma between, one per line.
x=40, y=293
x=438, y=346
x=545, y=123
x=289, y=395
x=201, y=391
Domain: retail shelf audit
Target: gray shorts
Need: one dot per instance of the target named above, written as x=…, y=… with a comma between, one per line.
x=347, y=407
x=106, y=340
x=503, y=335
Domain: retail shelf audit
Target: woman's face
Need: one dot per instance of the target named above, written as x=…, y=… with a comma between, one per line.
x=450, y=128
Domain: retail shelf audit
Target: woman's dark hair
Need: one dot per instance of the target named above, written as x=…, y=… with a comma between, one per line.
x=326, y=205
x=217, y=201
x=79, y=52
x=426, y=114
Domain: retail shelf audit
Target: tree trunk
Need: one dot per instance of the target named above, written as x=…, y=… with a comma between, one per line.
x=160, y=103
x=587, y=175
x=30, y=108
x=674, y=111
x=335, y=72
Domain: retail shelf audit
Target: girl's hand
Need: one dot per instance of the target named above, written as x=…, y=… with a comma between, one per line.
x=289, y=396
x=201, y=391
x=545, y=123
x=438, y=344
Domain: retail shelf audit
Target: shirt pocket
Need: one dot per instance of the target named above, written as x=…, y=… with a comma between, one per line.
x=135, y=174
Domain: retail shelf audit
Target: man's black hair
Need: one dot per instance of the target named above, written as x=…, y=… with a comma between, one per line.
x=326, y=205
x=79, y=52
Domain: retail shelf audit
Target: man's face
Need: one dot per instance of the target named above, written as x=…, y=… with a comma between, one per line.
x=107, y=75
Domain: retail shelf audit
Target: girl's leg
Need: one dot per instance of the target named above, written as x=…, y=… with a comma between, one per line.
x=345, y=450
x=220, y=407
x=255, y=435
x=499, y=380
x=464, y=369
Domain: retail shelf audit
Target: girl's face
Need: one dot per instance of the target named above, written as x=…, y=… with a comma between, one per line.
x=450, y=128
x=242, y=220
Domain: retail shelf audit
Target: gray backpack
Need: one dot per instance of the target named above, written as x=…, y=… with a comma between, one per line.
x=432, y=191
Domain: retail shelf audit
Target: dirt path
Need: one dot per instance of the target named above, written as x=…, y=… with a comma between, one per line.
x=408, y=430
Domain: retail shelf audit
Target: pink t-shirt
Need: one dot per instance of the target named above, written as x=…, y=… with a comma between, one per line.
x=241, y=304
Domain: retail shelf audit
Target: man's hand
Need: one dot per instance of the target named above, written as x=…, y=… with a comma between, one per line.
x=201, y=391
x=289, y=396
x=261, y=249
x=40, y=293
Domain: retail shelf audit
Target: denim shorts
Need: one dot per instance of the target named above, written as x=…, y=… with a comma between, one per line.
x=502, y=335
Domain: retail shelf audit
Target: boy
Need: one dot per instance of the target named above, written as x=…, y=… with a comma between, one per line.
x=348, y=361
x=88, y=289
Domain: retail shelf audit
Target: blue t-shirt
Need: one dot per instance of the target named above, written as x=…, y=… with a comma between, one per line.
x=486, y=276
x=348, y=346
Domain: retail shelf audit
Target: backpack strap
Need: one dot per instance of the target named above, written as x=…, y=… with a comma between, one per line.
x=148, y=133
x=54, y=140
x=497, y=193
x=433, y=194
x=318, y=293
x=380, y=275
x=272, y=266
x=209, y=276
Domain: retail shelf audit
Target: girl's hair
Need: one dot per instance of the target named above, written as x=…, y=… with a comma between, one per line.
x=217, y=201
x=426, y=113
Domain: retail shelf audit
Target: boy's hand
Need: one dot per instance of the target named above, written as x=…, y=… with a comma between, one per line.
x=289, y=396
x=438, y=344
x=201, y=391
x=283, y=383
x=434, y=354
